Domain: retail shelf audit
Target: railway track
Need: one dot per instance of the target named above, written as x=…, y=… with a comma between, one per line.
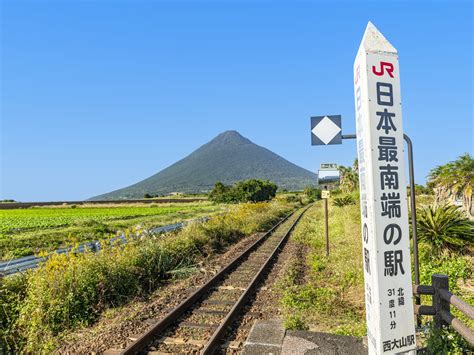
x=200, y=323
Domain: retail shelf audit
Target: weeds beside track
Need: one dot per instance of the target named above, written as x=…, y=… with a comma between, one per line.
x=200, y=322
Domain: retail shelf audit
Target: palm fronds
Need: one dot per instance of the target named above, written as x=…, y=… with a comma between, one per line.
x=445, y=226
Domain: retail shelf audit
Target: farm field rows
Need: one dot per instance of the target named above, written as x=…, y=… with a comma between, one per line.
x=35, y=230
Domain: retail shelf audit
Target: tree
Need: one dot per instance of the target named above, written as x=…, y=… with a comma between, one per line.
x=454, y=180
x=220, y=193
x=349, y=179
x=255, y=190
x=252, y=190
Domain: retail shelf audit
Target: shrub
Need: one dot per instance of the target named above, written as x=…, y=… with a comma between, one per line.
x=444, y=226
x=343, y=201
x=293, y=199
x=12, y=292
x=445, y=341
x=455, y=266
x=312, y=193
x=253, y=190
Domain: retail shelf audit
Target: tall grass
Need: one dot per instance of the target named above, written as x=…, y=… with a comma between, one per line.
x=73, y=290
x=330, y=298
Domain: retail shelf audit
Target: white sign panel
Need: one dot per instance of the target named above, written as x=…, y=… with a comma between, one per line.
x=384, y=211
x=328, y=166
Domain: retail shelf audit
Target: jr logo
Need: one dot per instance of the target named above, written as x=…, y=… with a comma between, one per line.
x=383, y=66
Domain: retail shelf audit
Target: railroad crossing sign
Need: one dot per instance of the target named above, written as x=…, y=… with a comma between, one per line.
x=383, y=199
x=326, y=130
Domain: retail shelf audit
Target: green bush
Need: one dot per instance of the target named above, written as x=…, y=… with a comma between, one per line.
x=12, y=293
x=312, y=193
x=445, y=341
x=253, y=190
x=343, y=201
x=293, y=199
x=458, y=268
x=455, y=266
x=444, y=227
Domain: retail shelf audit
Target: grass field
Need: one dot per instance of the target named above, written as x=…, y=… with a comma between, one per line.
x=34, y=230
x=69, y=291
x=321, y=293
x=327, y=293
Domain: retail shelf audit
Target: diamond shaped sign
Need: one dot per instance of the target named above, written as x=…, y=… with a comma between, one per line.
x=326, y=130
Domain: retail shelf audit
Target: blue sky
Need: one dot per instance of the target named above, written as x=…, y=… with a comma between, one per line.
x=97, y=95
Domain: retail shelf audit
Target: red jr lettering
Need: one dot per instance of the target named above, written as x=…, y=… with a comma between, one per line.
x=383, y=66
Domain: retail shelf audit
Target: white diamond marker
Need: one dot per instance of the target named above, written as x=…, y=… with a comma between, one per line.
x=326, y=130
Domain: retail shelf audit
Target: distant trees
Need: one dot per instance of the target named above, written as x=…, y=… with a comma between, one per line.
x=349, y=177
x=312, y=193
x=253, y=190
x=454, y=180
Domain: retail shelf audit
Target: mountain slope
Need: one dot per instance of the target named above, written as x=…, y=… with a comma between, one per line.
x=228, y=158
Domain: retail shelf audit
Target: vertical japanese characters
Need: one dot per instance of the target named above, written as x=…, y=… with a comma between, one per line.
x=384, y=211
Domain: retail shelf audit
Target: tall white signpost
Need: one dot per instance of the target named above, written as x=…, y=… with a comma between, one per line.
x=383, y=195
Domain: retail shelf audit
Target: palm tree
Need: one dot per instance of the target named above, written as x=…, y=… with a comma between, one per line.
x=355, y=165
x=454, y=180
x=349, y=179
x=445, y=226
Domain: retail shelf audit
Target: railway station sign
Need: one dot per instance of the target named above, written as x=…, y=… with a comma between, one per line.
x=383, y=199
x=328, y=166
x=326, y=130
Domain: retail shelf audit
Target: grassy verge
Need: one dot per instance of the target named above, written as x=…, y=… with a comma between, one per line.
x=35, y=230
x=71, y=291
x=327, y=294
x=331, y=296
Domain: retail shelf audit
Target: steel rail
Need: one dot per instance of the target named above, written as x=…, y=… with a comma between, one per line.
x=147, y=337
x=220, y=331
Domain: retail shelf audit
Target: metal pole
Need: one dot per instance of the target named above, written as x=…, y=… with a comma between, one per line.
x=349, y=136
x=327, y=225
x=416, y=266
x=413, y=208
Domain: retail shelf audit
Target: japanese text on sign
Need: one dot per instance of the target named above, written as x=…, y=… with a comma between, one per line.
x=384, y=212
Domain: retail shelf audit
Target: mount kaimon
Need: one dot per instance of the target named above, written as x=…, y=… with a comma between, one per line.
x=228, y=158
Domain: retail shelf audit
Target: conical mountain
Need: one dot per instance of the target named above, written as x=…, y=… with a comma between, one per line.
x=228, y=158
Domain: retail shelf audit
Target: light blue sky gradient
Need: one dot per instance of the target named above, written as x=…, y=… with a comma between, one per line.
x=97, y=95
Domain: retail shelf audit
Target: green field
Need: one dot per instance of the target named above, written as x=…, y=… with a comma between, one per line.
x=34, y=230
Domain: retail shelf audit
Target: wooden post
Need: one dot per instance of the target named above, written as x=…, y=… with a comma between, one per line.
x=439, y=282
